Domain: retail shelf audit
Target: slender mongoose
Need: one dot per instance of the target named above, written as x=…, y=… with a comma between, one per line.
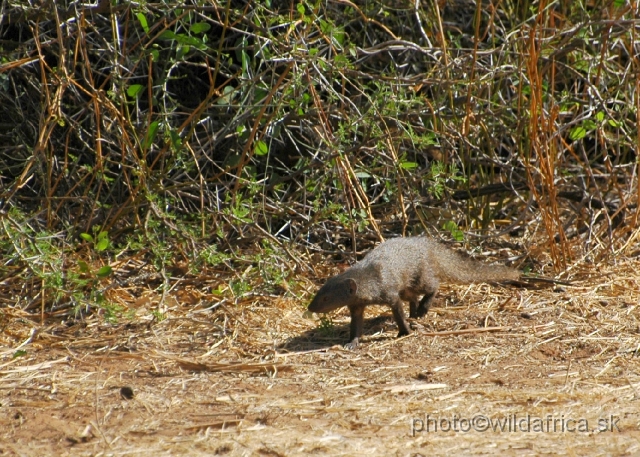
x=401, y=269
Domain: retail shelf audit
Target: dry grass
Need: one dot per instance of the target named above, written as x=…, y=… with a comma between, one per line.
x=275, y=132
x=258, y=378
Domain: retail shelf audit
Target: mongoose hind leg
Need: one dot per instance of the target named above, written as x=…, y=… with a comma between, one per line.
x=398, y=315
x=413, y=308
x=425, y=303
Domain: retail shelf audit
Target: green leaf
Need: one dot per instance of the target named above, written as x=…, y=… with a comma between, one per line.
x=408, y=165
x=613, y=123
x=260, y=148
x=183, y=50
x=581, y=65
x=301, y=9
x=450, y=225
x=102, y=244
x=84, y=268
x=589, y=124
x=200, y=27
x=457, y=235
x=341, y=61
x=167, y=35
x=19, y=353
x=86, y=237
x=577, y=133
x=134, y=90
x=176, y=141
x=326, y=27
x=183, y=39
x=245, y=63
x=600, y=116
x=190, y=41
x=104, y=271
x=143, y=22
x=227, y=96
x=232, y=160
x=151, y=134
x=338, y=36
x=260, y=94
x=452, y=228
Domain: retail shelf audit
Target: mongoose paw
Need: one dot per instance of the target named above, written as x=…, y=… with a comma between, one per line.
x=422, y=310
x=351, y=345
x=415, y=326
x=403, y=333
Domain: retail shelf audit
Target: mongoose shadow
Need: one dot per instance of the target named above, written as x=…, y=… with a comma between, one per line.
x=401, y=269
x=318, y=338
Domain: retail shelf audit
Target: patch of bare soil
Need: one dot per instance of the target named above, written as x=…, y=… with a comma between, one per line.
x=489, y=370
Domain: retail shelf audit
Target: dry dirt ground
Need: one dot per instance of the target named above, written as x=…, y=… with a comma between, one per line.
x=490, y=370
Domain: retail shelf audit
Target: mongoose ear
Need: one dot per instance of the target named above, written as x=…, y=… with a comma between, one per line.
x=353, y=286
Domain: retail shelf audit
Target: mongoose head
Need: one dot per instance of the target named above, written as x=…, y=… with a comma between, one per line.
x=336, y=293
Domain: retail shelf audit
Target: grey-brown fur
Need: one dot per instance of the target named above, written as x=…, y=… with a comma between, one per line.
x=401, y=269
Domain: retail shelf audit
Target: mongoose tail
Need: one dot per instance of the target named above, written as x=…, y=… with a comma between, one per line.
x=401, y=269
